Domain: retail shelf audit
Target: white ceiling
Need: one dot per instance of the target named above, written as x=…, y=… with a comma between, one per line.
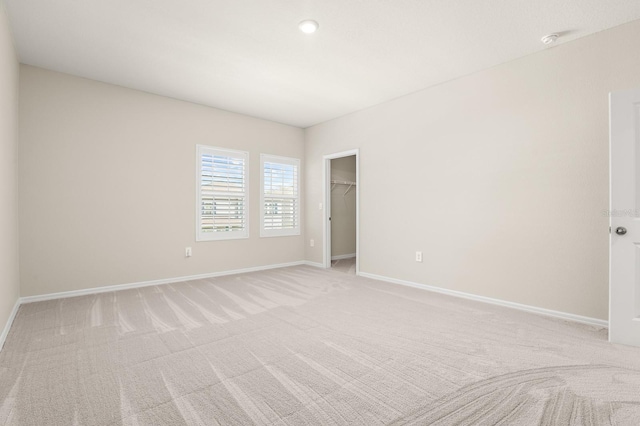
x=248, y=56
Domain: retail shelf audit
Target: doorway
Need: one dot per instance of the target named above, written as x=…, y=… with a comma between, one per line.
x=341, y=236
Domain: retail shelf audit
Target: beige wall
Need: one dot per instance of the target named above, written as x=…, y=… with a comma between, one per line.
x=500, y=177
x=343, y=207
x=503, y=177
x=107, y=185
x=9, y=278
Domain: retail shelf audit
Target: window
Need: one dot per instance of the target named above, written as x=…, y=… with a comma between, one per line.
x=222, y=203
x=280, y=196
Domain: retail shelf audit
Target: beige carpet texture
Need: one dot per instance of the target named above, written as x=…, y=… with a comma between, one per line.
x=307, y=346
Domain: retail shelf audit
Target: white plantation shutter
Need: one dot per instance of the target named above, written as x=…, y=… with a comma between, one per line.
x=222, y=194
x=279, y=196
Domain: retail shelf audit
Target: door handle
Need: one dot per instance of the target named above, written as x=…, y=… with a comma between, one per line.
x=621, y=230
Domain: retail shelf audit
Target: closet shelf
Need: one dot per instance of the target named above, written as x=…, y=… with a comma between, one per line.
x=343, y=182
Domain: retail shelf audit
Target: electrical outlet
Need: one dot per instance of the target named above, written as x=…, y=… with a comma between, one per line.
x=312, y=243
x=187, y=252
x=319, y=206
x=418, y=256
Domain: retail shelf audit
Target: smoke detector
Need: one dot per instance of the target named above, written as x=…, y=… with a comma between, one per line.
x=550, y=38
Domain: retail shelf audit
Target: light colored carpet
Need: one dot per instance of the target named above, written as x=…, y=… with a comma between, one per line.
x=348, y=266
x=300, y=346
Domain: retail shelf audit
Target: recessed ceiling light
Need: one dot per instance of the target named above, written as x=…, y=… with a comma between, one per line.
x=308, y=26
x=550, y=38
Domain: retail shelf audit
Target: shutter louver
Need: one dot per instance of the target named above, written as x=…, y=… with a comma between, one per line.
x=222, y=194
x=280, y=196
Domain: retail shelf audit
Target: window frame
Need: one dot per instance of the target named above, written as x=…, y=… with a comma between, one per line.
x=268, y=158
x=228, y=235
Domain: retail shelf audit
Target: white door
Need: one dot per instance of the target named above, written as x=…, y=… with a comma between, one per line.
x=624, y=281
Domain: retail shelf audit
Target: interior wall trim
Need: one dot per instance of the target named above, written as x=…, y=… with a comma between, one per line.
x=118, y=287
x=527, y=308
x=7, y=327
x=455, y=293
x=343, y=256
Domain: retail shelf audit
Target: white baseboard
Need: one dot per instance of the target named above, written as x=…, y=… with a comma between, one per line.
x=105, y=289
x=513, y=305
x=118, y=287
x=7, y=327
x=343, y=256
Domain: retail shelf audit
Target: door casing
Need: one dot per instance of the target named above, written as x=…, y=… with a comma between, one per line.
x=326, y=259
